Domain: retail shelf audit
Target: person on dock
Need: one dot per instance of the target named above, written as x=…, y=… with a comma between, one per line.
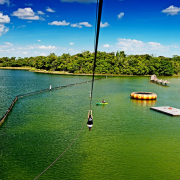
x=90, y=119
x=103, y=101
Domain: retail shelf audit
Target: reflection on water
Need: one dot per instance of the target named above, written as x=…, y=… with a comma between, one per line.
x=140, y=102
x=160, y=84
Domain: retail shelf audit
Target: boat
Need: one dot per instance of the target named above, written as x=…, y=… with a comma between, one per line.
x=101, y=103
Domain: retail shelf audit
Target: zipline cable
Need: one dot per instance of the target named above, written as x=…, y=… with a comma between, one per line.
x=96, y=45
x=96, y=20
x=94, y=66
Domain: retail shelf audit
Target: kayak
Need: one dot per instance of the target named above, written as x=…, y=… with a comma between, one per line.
x=101, y=103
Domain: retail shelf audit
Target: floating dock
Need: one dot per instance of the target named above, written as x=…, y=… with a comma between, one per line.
x=160, y=81
x=167, y=110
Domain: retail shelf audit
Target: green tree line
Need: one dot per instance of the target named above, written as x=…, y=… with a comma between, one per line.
x=107, y=63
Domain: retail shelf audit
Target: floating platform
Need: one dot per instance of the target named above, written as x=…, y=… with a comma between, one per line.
x=143, y=95
x=160, y=81
x=167, y=110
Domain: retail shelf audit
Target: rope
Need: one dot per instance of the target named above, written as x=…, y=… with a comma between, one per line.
x=62, y=153
x=96, y=46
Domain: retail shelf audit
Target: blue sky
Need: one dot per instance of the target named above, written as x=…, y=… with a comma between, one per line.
x=40, y=27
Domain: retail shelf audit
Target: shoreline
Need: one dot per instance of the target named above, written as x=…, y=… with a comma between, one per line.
x=67, y=73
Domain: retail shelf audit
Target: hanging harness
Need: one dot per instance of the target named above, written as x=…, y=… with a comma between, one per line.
x=90, y=121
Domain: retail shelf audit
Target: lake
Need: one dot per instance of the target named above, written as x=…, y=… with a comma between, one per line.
x=127, y=141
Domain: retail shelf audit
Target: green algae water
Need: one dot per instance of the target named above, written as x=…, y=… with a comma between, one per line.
x=127, y=141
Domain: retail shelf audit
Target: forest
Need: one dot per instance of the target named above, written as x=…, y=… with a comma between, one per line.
x=106, y=63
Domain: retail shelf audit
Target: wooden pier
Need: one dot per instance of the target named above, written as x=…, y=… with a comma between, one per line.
x=167, y=110
x=160, y=81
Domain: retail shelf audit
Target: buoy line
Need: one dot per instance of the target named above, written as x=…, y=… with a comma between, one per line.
x=62, y=153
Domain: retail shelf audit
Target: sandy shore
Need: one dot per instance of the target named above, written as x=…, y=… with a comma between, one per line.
x=20, y=68
x=64, y=72
x=47, y=72
x=58, y=72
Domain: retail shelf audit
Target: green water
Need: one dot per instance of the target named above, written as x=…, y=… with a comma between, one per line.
x=127, y=141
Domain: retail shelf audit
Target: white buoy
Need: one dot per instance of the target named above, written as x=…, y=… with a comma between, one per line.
x=50, y=87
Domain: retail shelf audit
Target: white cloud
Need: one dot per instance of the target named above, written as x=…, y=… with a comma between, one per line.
x=174, y=46
x=59, y=23
x=47, y=47
x=24, y=52
x=120, y=15
x=171, y=10
x=30, y=4
x=4, y=18
x=139, y=47
x=40, y=12
x=157, y=46
x=41, y=19
x=49, y=9
x=42, y=54
x=26, y=13
x=106, y=45
x=10, y=50
x=81, y=24
x=20, y=48
x=29, y=47
x=30, y=18
x=71, y=43
x=39, y=40
x=76, y=25
x=80, y=1
x=4, y=1
x=23, y=12
x=22, y=26
x=125, y=44
x=7, y=45
x=85, y=24
x=3, y=29
x=104, y=25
